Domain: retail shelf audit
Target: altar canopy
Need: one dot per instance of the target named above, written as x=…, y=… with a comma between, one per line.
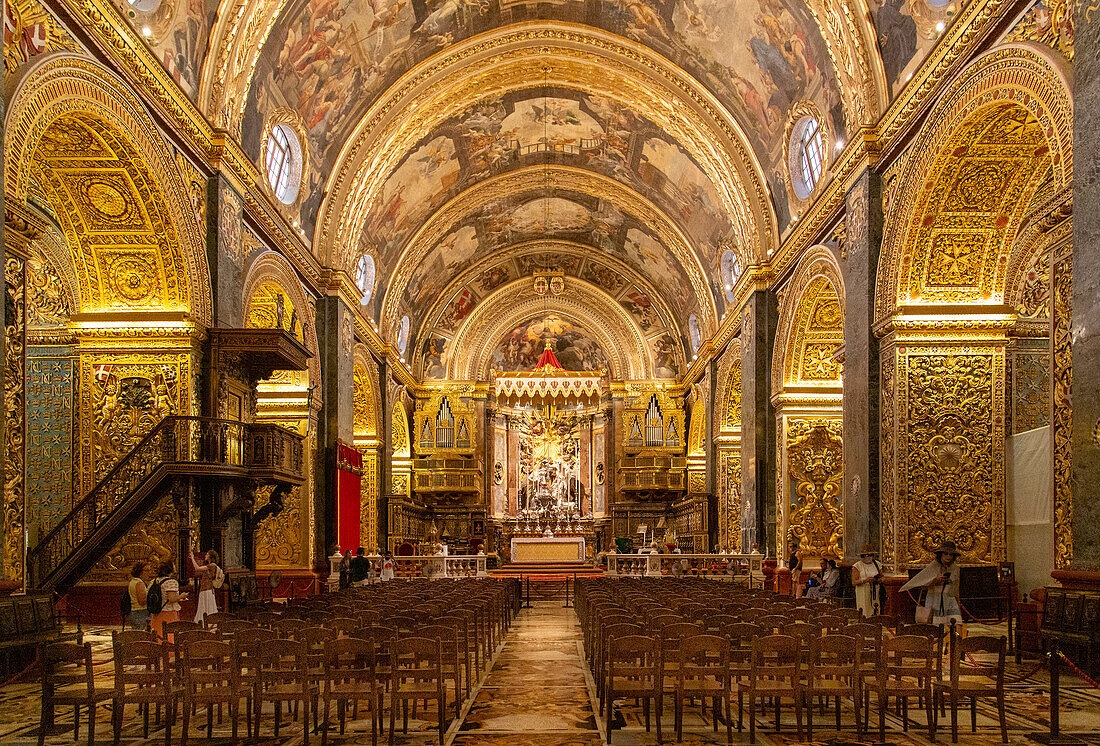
x=548, y=382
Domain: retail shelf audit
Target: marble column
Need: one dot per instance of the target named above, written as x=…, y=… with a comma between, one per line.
x=385, y=454
x=1085, y=324
x=335, y=337
x=711, y=449
x=758, y=425
x=859, y=263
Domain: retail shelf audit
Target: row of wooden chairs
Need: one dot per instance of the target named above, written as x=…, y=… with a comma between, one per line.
x=348, y=648
x=778, y=648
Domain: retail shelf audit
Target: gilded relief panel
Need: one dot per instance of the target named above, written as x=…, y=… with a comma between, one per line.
x=730, y=517
x=15, y=343
x=279, y=541
x=122, y=398
x=814, y=518
x=951, y=462
x=368, y=501
x=1062, y=414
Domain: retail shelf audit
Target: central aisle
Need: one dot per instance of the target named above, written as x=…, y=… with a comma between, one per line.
x=535, y=693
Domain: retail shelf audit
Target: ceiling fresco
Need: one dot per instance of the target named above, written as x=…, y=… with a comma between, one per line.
x=583, y=219
x=330, y=60
x=907, y=31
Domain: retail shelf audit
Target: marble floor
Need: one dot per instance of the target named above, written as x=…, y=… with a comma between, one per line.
x=537, y=692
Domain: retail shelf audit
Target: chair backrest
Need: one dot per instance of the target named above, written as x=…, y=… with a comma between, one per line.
x=884, y=620
x=704, y=655
x=127, y=636
x=213, y=620
x=283, y=662
x=139, y=663
x=207, y=663
x=636, y=656
x=835, y=656
x=804, y=631
x=286, y=626
x=907, y=656
x=800, y=614
x=182, y=625
x=349, y=659
x=66, y=664
x=772, y=622
x=776, y=657
x=417, y=659
x=980, y=655
x=831, y=623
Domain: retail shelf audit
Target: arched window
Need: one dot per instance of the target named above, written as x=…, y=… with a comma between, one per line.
x=403, y=334
x=731, y=273
x=364, y=277
x=284, y=163
x=807, y=148
x=654, y=424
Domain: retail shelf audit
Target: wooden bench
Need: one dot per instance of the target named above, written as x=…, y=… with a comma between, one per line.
x=31, y=620
x=1072, y=619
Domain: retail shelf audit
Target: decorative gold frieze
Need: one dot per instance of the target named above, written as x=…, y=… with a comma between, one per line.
x=814, y=517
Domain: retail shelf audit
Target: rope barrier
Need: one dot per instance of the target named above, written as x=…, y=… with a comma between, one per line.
x=1073, y=666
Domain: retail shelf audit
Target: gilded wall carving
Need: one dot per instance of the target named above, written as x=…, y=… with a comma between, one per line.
x=1030, y=400
x=1049, y=23
x=888, y=516
x=730, y=516
x=30, y=29
x=1062, y=414
x=15, y=344
x=732, y=411
x=363, y=415
x=368, y=501
x=815, y=459
x=123, y=397
x=279, y=539
x=152, y=540
x=951, y=478
x=110, y=206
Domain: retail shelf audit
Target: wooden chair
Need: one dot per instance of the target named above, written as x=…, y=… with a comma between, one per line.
x=634, y=671
x=977, y=670
x=609, y=633
x=776, y=673
x=209, y=678
x=417, y=675
x=670, y=638
x=772, y=623
x=450, y=657
x=704, y=671
x=171, y=629
x=831, y=624
x=246, y=646
x=68, y=679
x=833, y=670
x=350, y=677
x=142, y=677
x=211, y=621
x=282, y=675
x=905, y=670
x=884, y=620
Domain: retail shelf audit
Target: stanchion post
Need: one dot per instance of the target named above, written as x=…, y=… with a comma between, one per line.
x=1054, y=665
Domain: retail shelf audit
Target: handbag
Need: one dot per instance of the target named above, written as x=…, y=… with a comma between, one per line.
x=924, y=612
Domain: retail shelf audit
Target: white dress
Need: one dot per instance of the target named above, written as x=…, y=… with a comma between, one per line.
x=387, y=569
x=865, y=592
x=207, y=603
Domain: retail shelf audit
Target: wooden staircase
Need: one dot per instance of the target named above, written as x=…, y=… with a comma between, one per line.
x=177, y=451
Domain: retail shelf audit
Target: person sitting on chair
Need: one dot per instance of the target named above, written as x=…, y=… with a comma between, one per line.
x=828, y=578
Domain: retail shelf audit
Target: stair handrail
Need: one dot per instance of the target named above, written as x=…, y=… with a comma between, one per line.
x=50, y=552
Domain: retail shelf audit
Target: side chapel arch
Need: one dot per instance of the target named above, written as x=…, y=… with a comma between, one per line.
x=944, y=304
x=806, y=391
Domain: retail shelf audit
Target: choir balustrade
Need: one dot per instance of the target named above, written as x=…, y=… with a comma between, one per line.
x=739, y=566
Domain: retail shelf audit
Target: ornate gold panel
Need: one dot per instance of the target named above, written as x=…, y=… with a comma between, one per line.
x=280, y=541
x=15, y=383
x=1062, y=415
x=950, y=457
x=815, y=467
x=368, y=500
x=114, y=216
x=362, y=399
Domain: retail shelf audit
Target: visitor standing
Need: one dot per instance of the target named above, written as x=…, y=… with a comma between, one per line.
x=163, y=599
x=139, y=614
x=940, y=581
x=867, y=579
x=210, y=577
x=345, y=570
x=359, y=567
x=387, y=567
x=794, y=564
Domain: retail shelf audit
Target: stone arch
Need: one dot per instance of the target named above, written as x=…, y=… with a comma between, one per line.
x=811, y=316
x=989, y=98
x=272, y=269
x=365, y=403
x=615, y=330
x=72, y=104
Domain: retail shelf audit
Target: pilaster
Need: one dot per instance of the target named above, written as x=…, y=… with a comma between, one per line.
x=335, y=327
x=859, y=263
x=758, y=446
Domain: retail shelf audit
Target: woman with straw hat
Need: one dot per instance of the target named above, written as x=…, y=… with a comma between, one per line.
x=940, y=580
x=867, y=579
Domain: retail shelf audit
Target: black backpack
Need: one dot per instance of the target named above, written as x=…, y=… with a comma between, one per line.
x=154, y=600
x=124, y=604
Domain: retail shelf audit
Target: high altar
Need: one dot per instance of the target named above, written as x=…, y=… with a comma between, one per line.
x=548, y=460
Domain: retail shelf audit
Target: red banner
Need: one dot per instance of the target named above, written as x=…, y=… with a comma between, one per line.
x=349, y=477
